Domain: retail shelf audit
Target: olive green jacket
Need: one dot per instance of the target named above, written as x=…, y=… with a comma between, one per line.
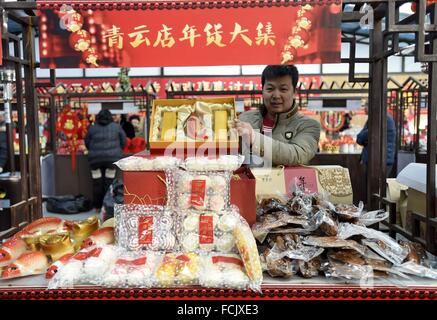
x=294, y=139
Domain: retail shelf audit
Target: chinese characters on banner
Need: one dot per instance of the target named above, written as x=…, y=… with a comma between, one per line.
x=74, y=38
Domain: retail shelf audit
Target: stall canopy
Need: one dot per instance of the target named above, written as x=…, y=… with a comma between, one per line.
x=86, y=34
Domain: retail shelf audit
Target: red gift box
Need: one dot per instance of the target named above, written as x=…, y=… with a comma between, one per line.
x=148, y=188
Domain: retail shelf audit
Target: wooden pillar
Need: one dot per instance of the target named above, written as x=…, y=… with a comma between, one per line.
x=32, y=122
x=375, y=110
x=431, y=146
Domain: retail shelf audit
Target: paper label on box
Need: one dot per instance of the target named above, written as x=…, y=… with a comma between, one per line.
x=145, y=230
x=198, y=190
x=302, y=178
x=206, y=230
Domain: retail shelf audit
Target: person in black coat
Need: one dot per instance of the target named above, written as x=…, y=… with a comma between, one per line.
x=105, y=141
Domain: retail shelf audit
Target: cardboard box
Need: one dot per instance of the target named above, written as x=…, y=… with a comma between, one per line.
x=414, y=177
x=282, y=182
x=157, y=145
x=149, y=188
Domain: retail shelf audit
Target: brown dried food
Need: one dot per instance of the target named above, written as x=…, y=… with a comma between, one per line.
x=416, y=253
x=347, y=256
x=347, y=212
x=272, y=205
x=278, y=267
x=311, y=268
x=329, y=225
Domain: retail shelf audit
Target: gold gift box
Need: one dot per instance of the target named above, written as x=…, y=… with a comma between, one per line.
x=171, y=127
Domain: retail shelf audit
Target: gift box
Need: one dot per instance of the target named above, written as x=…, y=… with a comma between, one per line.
x=149, y=188
x=192, y=124
x=282, y=181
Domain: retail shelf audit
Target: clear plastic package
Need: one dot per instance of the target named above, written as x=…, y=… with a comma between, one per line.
x=135, y=163
x=133, y=269
x=178, y=269
x=348, y=212
x=223, y=271
x=87, y=266
x=140, y=227
x=199, y=190
x=347, y=230
x=222, y=163
x=205, y=231
x=372, y=217
x=248, y=250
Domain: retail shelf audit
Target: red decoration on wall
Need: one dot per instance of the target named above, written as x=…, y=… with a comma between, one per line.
x=70, y=125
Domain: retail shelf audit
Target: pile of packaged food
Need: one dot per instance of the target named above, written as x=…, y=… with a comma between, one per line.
x=306, y=235
x=197, y=238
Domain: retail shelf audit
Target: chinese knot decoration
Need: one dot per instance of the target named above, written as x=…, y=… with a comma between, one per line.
x=300, y=35
x=73, y=128
x=80, y=39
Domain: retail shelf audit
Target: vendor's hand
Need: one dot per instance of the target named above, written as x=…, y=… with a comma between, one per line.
x=245, y=130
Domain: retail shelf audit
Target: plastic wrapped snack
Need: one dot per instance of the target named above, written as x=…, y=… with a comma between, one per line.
x=86, y=267
x=349, y=212
x=199, y=190
x=145, y=227
x=282, y=267
x=222, y=163
x=178, y=269
x=135, y=163
x=132, y=270
x=372, y=217
x=205, y=231
x=246, y=246
x=223, y=271
x=347, y=271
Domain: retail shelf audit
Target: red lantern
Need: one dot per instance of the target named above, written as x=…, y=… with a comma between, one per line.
x=72, y=21
x=90, y=56
x=80, y=40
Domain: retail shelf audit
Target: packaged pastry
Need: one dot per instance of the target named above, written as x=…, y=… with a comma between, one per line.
x=135, y=163
x=246, y=246
x=132, y=270
x=199, y=190
x=178, y=269
x=221, y=163
x=223, y=271
x=145, y=227
x=206, y=231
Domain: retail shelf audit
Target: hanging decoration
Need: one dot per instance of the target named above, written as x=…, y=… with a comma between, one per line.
x=72, y=127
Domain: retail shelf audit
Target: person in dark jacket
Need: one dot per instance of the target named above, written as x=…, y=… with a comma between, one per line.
x=127, y=126
x=363, y=140
x=105, y=141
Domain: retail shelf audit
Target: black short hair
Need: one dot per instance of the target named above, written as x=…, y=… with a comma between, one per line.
x=134, y=116
x=280, y=70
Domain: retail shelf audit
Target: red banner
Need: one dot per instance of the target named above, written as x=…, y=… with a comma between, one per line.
x=256, y=34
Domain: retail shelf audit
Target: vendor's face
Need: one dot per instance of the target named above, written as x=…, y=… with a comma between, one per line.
x=278, y=94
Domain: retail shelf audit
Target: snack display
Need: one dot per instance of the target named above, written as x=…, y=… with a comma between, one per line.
x=145, y=227
x=190, y=120
x=306, y=235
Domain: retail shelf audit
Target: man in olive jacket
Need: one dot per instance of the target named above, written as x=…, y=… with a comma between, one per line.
x=277, y=132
